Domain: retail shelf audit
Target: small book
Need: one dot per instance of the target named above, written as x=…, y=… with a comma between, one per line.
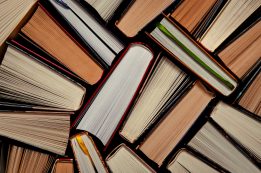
x=216, y=147
x=95, y=35
x=87, y=156
x=113, y=97
x=26, y=79
x=44, y=31
x=63, y=165
x=186, y=162
x=240, y=126
x=123, y=159
x=165, y=84
x=167, y=134
x=193, y=56
x=232, y=15
x=243, y=52
x=26, y=160
x=139, y=14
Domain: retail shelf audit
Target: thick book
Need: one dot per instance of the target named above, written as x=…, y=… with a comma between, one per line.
x=165, y=84
x=139, y=14
x=175, y=41
x=123, y=159
x=108, y=105
x=87, y=156
x=167, y=134
x=49, y=35
x=63, y=165
x=28, y=80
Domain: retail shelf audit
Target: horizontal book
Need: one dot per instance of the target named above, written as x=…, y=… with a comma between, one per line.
x=185, y=162
x=113, y=97
x=241, y=127
x=63, y=165
x=216, y=147
x=44, y=31
x=193, y=56
x=25, y=79
x=25, y=160
x=95, y=35
x=139, y=14
x=233, y=14
x=123, y=159
x=243, y=52
x=167, y=134
x=87, y=155
x=3, y=155
x=164, y=85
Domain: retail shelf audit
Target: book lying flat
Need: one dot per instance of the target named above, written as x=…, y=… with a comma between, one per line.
x=25, y=79
x=164, y=85
x=87, y=156
x=189, y=53
x=25, y=160
x=63, y=165
x=123, y=159
x=167, y=134
x=139, y=14
x=44, y=31
x=45, y=130
x=186, y=162
x=100, y=39
x=216, y=147
x=113, y=97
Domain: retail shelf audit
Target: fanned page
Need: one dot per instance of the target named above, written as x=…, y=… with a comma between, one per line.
x=185, y=162
x=244, y=129
x=108, y=107
x=175, y=125
x=43, y=30
x=244, y=52
x=212, y=144
x=124, y=160
x=194, y=57
x=166, y=82
x=105, y=44
x=12, y=12
x=234, y=13
x=251, y=100
x=139, y=14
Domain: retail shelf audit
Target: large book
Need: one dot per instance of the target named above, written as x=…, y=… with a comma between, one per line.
x=167, y=134
x=63, y=165
x=123, y=159
x=49, y=35
x=113, y=97
x=193, y=56
x=166, y=83
x=28, y=80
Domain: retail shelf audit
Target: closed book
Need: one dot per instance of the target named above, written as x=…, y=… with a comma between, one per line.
x=62, y=165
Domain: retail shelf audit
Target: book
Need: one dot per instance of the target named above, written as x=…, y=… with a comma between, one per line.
x=113, y=97
x=246, y=45
x=251, y=100
x=165, y=84
x=123, y=159
x=185, y=162
x=26, y=160
x=176, y=123
x=63, y=165
x=25, y=79
x=139, y=14
x=87, y=156
x=216, y=147
x=240, y=126
x=45, y=32
x=193, y=56
x=3, y=155
x=234, y=13
x=45, y=130
x=12, y=12
x=105, y=9
x=100, y=39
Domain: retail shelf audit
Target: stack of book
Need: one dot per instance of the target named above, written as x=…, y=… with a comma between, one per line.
x=96, y=86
